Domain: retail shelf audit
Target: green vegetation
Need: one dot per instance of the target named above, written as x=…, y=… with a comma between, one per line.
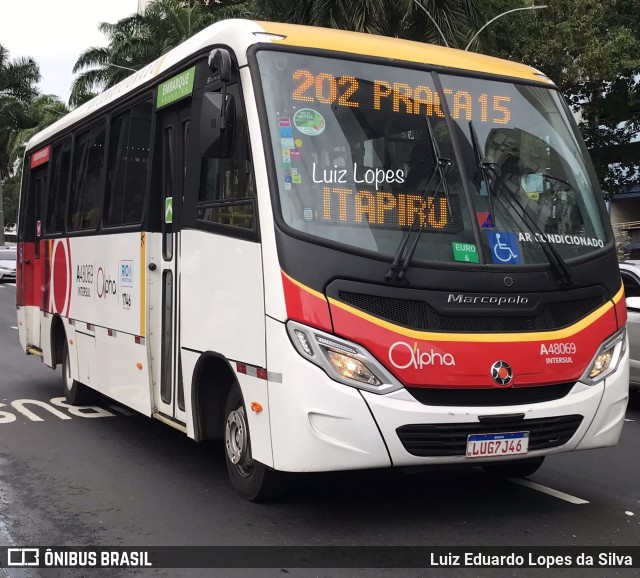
x=18, y=80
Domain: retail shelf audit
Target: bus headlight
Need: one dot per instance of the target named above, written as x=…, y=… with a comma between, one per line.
x=606, y=359
x=351, y=368
x=341, y=360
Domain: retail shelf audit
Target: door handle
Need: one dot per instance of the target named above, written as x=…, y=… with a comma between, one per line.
x=152, y=266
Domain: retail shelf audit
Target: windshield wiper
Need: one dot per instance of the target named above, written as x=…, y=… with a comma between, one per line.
x=558, y=264
x=485, y=177
x=557, y=179
x=443, y=166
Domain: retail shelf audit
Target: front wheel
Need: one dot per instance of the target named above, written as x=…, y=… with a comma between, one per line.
x=515, y=469
x=252, y=480
x=75, y=393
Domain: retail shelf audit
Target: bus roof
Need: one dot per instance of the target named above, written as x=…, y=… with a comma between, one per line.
x=240, y=34
x=398, y=49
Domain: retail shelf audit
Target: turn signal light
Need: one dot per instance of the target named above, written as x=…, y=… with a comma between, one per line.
x=256, y=406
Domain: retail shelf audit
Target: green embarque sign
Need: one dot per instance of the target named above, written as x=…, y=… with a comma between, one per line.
x=176, y=88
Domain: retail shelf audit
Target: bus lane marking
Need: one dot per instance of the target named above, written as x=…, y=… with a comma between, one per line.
x=21, y=406
x=549, y=491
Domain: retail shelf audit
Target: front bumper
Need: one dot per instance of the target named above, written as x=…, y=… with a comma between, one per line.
x=318, y=424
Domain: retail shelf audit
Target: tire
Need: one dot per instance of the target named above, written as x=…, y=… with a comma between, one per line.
x=251, y=480
x=75, y=393
x=515, y=469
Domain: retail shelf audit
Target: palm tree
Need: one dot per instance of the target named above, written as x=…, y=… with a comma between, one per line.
x=102, y=67
x=399, y=18
x=35, y=116
x=18, y=79
x=139, y=39
x=21, y=121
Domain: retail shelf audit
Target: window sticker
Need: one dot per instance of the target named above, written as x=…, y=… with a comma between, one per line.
x=485, y=220
x=465, y=252
x=533, y=185
x=504, y=247
x=309, y=122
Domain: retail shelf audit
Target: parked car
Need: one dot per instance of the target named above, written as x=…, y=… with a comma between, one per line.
x=7, y=264
x=630, y=273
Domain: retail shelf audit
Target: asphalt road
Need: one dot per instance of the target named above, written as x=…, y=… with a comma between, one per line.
x=116, y=478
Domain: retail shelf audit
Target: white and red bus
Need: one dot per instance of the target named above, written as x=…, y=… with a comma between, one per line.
x=332, y=250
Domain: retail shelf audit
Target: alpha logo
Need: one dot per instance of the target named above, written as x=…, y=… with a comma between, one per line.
x=501, y=373
x=487, y=299
x=105, y=285
x=403, y=356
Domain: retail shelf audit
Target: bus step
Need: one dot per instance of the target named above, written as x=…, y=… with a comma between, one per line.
x=169, y=421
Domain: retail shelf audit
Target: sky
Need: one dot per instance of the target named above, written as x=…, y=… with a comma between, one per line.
x=54, y=33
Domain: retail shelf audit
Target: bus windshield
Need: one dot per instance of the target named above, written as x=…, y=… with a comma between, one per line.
x=365, y=152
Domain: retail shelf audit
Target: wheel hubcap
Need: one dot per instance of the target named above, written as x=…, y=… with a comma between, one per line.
x=68, y=382
x=236, y=439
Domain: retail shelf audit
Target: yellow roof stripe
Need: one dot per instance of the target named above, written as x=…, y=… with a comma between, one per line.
x=398, y=49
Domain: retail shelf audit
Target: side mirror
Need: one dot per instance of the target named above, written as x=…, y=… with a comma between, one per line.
x=217, y=120
x=220, y=64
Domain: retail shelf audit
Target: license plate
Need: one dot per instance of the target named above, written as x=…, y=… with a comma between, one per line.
x=495, y=445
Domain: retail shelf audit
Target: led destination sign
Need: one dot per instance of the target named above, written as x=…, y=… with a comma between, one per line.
x=392, y=210
x=398, y=97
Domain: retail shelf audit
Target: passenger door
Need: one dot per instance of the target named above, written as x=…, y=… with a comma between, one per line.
x=163, y=264
x=32, y=270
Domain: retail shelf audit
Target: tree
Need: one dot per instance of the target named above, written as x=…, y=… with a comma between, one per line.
x=139, y=39
x=21, y=122
x=591, y=50
x=18, y=79
x=399, y=18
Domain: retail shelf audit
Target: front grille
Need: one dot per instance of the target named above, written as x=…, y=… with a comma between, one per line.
x=415, y=314
x=490, y=397
x=432, y=440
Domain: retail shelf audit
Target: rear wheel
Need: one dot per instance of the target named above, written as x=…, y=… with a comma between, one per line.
x=75, y=393
x=515, y=469
x=250, y=479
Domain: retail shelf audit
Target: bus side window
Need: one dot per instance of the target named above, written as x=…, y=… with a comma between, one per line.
x=56, y=208
x=87, y=179
x=128, y=170
x=227, y=190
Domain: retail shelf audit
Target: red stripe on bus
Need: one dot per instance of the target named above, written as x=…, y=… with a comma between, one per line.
x=456, y=361
x=306, y=305
x=69, y=277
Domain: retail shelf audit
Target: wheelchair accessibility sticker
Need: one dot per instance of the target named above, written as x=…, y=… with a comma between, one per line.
x=504, y=247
